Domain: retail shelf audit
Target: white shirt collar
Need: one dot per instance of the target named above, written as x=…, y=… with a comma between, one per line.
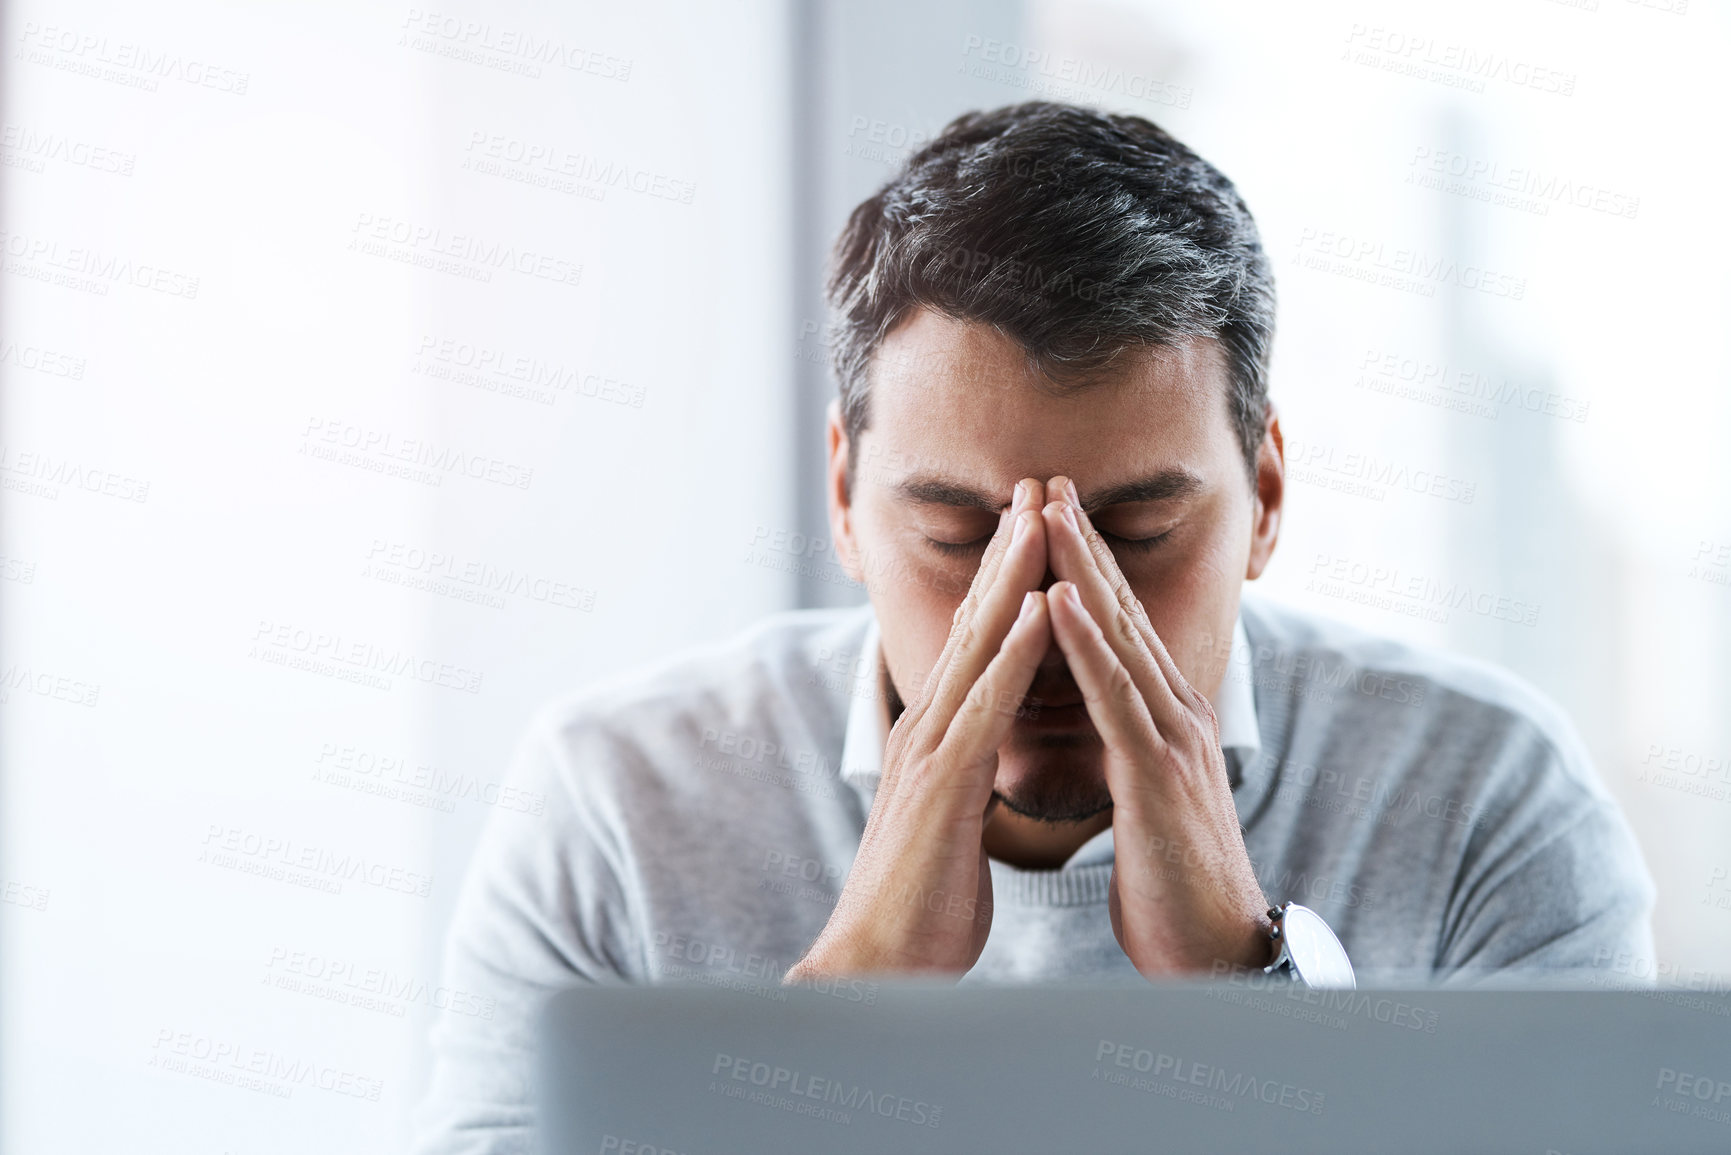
x=1235, y=702
x=863, y=747
x=862, y=751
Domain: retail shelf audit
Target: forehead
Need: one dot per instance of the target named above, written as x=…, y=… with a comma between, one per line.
x=963, y=398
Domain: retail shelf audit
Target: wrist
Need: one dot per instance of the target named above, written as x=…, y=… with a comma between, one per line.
x=1250, y=949
x=1258, y=946
x=827, y=960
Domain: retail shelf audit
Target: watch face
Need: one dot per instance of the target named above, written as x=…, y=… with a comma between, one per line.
x=1317, y=955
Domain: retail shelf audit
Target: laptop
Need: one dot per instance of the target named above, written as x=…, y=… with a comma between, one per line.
x=1186, y=1066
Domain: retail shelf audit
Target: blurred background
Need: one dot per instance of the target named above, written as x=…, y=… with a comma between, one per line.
x=374, y=373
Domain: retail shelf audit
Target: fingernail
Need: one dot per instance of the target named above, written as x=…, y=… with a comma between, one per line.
x=1070, y=516
x=1070, y=487
x=1027, y=606
x=1021, y=525
x=1019, y=499
x=1075, y=598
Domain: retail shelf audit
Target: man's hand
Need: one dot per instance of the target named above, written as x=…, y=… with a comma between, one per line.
x=919, y=896
x=1184, y=896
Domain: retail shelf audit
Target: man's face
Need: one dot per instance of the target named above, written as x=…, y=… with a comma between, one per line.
x=958, y=416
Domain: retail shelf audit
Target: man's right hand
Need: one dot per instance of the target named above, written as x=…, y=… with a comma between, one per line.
x=919, y=896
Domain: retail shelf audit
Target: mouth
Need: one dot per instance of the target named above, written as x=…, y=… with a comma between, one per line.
x=1062, y=711
x=1055, y=689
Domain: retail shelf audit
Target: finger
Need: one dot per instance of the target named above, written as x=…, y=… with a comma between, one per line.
x=982, y=722
x=910, y=728
x=1075, y=548
x=1138, y=614
x=1115, y=703
x=991, y=563
x=917, y=704
x=994, y=555
x=983, y=633
x=1027, y=495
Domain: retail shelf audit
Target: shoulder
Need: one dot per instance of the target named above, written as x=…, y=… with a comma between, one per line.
x=1464, y=782
x=1392, y=693
x=770, y=683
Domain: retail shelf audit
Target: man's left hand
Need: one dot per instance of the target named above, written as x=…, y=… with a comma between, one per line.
x=1184, y=896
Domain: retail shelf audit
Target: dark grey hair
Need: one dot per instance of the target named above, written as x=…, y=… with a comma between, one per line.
x=1078, y=233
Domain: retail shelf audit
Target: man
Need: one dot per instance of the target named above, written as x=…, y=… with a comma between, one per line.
x=1056, y=743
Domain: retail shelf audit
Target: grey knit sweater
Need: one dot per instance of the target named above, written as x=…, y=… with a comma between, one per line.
x=701, y=816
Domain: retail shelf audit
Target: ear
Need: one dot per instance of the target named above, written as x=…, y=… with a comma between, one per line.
x=840, y=500
x=1270, y=494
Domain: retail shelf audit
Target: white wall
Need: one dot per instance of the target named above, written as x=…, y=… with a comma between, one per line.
x=305, y=164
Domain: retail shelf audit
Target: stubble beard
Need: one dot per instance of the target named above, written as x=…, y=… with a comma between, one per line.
x=1060, y=790
x=1065, y=786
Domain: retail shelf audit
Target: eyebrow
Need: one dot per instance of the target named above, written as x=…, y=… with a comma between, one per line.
x=1166, y=485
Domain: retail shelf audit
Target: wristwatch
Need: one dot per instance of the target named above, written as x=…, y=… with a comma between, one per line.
x=1309, y=952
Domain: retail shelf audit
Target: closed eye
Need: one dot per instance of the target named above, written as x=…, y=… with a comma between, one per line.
x=1134, y=544
x=959, y=548
x=1127, y=544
